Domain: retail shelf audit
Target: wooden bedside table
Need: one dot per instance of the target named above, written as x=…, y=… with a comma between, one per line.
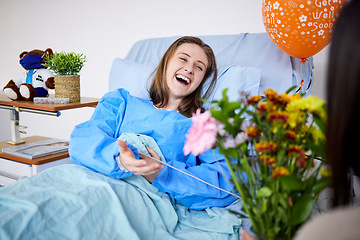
x=13, y=167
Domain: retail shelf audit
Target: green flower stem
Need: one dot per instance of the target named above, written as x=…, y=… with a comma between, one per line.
x=292, y=164
x=288, y=229
x=309, y=165
x=239, y=189
x=244, y=166
x=248, y=169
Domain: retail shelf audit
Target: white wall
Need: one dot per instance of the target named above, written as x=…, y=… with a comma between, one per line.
x=106, y=29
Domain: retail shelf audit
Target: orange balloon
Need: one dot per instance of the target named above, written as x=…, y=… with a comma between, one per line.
x=301, y=28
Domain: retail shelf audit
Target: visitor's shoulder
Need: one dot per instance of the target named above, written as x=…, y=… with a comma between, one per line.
x=341, y=223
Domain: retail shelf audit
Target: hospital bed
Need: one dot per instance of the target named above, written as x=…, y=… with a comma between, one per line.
x=73, y=202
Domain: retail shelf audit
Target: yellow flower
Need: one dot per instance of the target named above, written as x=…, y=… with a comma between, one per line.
x=295, y=118
x=295, y=106
x=294, y=97
x=312, y=104
x=325, y=171
x=317, y=134
x=280, y=171
x=274, y=128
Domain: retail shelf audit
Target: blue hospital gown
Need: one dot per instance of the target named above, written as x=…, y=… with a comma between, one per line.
x=93, y=145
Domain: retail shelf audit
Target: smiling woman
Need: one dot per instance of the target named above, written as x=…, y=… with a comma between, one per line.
x=189, y=63
x=175, y=93
x=185, y=66
x=185, y=72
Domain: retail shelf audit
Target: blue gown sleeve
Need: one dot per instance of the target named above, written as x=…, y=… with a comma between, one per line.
x=191, y=192
x=93, y=144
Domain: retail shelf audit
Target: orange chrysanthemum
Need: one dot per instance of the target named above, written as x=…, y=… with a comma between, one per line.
x=299, y=153
x=263, y=107
x=272, y=95
x=280, y=171
x=278, y=116
x=284, y=99
x=253, y=100
x=262, y=146
x=277, y=99
x=269, y=160
x=252, y=132
x=291, y=135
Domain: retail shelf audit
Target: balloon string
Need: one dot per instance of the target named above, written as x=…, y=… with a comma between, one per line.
x=301, y=83
x=303, y=61
x=311, y=76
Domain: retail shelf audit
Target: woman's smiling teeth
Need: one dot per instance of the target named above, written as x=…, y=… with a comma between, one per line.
x=183, y=79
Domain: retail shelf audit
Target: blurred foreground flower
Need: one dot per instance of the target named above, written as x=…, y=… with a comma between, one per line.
x=202, y=135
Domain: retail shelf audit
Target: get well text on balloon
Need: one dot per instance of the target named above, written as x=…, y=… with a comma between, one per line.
x=301, y=28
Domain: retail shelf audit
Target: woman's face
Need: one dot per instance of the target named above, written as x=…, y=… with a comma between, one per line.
x=185, y=70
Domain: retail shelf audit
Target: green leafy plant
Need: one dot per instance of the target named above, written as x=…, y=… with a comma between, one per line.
x=62, y=63
x=270, y=144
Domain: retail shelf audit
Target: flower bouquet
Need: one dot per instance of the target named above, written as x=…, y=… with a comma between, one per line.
x=271, y=145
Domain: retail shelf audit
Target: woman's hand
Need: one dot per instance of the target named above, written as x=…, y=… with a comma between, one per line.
x=245, y=235
x=145, y=166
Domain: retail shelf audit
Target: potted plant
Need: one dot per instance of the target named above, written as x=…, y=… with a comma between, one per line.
x=270, y=144
x=66, y=67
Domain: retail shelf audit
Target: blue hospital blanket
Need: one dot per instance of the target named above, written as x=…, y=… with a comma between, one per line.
x=73, y=202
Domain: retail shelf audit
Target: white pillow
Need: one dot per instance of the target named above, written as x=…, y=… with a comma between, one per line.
x=135, y=77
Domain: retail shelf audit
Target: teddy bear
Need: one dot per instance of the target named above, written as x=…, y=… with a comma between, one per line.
x=37, y=80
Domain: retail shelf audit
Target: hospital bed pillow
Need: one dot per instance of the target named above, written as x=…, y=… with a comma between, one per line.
x=136, y=78
x=235, y=78
x=279, y=71
x=131, y=76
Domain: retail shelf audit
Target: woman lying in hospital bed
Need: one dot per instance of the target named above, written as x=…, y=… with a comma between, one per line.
x=124, y=131
x=175, y=92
